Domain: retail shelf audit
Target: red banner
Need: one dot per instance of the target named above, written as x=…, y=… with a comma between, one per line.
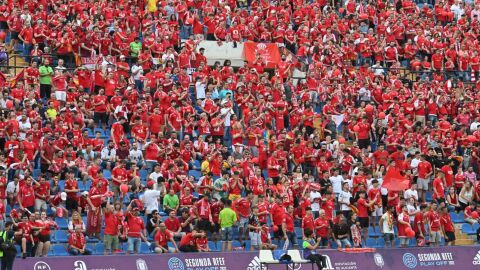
x=395, y=181
x=267, y=51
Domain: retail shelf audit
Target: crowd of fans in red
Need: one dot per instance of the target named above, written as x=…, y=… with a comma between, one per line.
x=153, y=127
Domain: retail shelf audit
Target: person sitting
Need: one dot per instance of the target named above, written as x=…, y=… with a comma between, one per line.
x=77, y=244
x=310, y=246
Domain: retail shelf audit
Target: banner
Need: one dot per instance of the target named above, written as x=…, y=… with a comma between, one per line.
x=385, y=259
x=267, y=51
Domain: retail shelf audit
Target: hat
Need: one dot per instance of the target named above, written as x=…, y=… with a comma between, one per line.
x=63, y=196
x=150, y=183
x=85, y=193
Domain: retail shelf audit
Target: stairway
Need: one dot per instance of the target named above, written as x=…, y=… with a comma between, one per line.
x=18, y=61
x=462, y=238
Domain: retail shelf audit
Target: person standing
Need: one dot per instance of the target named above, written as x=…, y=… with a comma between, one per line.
x=8, y=252
x=227, y=219
x=447, y=226
x=46, y=73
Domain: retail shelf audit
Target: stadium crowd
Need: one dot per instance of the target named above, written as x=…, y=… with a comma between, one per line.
x=155, y=146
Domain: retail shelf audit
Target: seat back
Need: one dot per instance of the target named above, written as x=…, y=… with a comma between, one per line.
x=295, y=254
x=265, y=255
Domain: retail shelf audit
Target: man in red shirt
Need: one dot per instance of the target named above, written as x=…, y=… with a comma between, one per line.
x=173, y=224
x=434, y=224
x=119, y=177
x=136, y=229
x=322, y=228
x=439, y=188
x=26, y=196
x=424, y=170
x=42, y=194
x=288, y=227
x=161, y=240
x=188, y=243
x=447, y=226
x=363, y=134
x=77, y=243
x=243, y=206
x=112, y=221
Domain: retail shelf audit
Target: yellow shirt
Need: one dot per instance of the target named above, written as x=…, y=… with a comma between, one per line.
x=152, y=5
x=205, y=167
x=52, y=113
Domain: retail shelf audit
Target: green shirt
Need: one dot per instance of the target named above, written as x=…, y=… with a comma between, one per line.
x=135, y=48
x=171, y=201
x=227, y=218
x=46, y=73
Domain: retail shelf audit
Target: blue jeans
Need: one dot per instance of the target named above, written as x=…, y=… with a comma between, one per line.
x=75, y=252
x=139, y=86
x=134, y=244
x=227, y=136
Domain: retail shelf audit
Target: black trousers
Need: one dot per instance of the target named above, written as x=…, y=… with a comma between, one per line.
x=187, y=248
x=318, y=259
x=7, y=262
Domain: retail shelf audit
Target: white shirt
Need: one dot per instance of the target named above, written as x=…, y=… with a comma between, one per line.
x=344, y=198
x=200, y=89
x=135, y=154
x=336, y=183
x=150, y=200
x=315, y=204
x=154, y=176
x=386, y=228
x=227, y=112
x=137, y=72
x=414, y=165
x=409, y=193
x=11, y=188
x=474, y=126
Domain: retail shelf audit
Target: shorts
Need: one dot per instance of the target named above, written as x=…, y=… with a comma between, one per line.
x=227, y=234
x=435, y=236
x=279, y=233
x=404, y=240
x=205, y=225
x=388, y=237
x=115, y=189
x=363, y=143
x=61, y=95
x=71, y=204
x=243, y=222
x=100, y=117
x=377, y=212
x=363, y=222
x=44, y=238
x=14, y=35
x=45, y=91
x=40, y=204
x=255, y=239
x=422, y=183
x=451, y=236
x=111, y=242
x=215, y=228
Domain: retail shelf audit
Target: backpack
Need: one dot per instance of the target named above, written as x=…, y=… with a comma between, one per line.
x=7, y=245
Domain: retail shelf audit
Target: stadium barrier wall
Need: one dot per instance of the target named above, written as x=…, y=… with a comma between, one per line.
x=464, y=258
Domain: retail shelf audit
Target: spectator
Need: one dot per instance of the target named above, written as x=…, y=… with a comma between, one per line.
x=77, y=245
x=46, y=74
x=110, y=238
x=136, y=229
x=162, y=236
x=227, y=219
x=7, y=239
x=341, y=232
x=171, y=201
x=448, y=229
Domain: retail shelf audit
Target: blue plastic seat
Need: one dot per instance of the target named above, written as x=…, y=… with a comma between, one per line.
x=373, y=233
x=457, y=217
x=213, y=246
x=468, y=229
x=62, y=223
x=371, y=242
x=60, y=250
x=99, y=249
x=298, y=232
x=61, y=236
x=196, y=174
x=107, y=174
x=380, y=242
x=143, y=174
x=36, y=173
x=428, y=196
x=144, y=248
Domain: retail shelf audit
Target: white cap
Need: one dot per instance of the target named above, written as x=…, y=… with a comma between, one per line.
x=63, y=196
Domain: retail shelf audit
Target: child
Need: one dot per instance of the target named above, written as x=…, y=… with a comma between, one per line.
x=355, y=230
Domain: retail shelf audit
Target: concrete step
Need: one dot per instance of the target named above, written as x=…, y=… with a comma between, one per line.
x=464, y=242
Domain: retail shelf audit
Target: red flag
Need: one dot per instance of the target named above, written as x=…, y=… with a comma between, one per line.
x=18, y=77
x=394, y=181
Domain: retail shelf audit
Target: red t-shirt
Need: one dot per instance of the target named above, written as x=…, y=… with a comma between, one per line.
x=172, y=224
x=433, y=220
x=111, y=224
x=447, y=224
x=324, y=225
x=278, y=213
x=27, y=195
x=77, y=240
x=162, y=238
x=135, y=225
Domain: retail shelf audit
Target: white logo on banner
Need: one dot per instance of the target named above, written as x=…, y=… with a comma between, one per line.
x=378, y=259
x=80, y=265
x=328, y=263
x=141, y=264
x=41, y=266
x=476, y=260
x=255, y=264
